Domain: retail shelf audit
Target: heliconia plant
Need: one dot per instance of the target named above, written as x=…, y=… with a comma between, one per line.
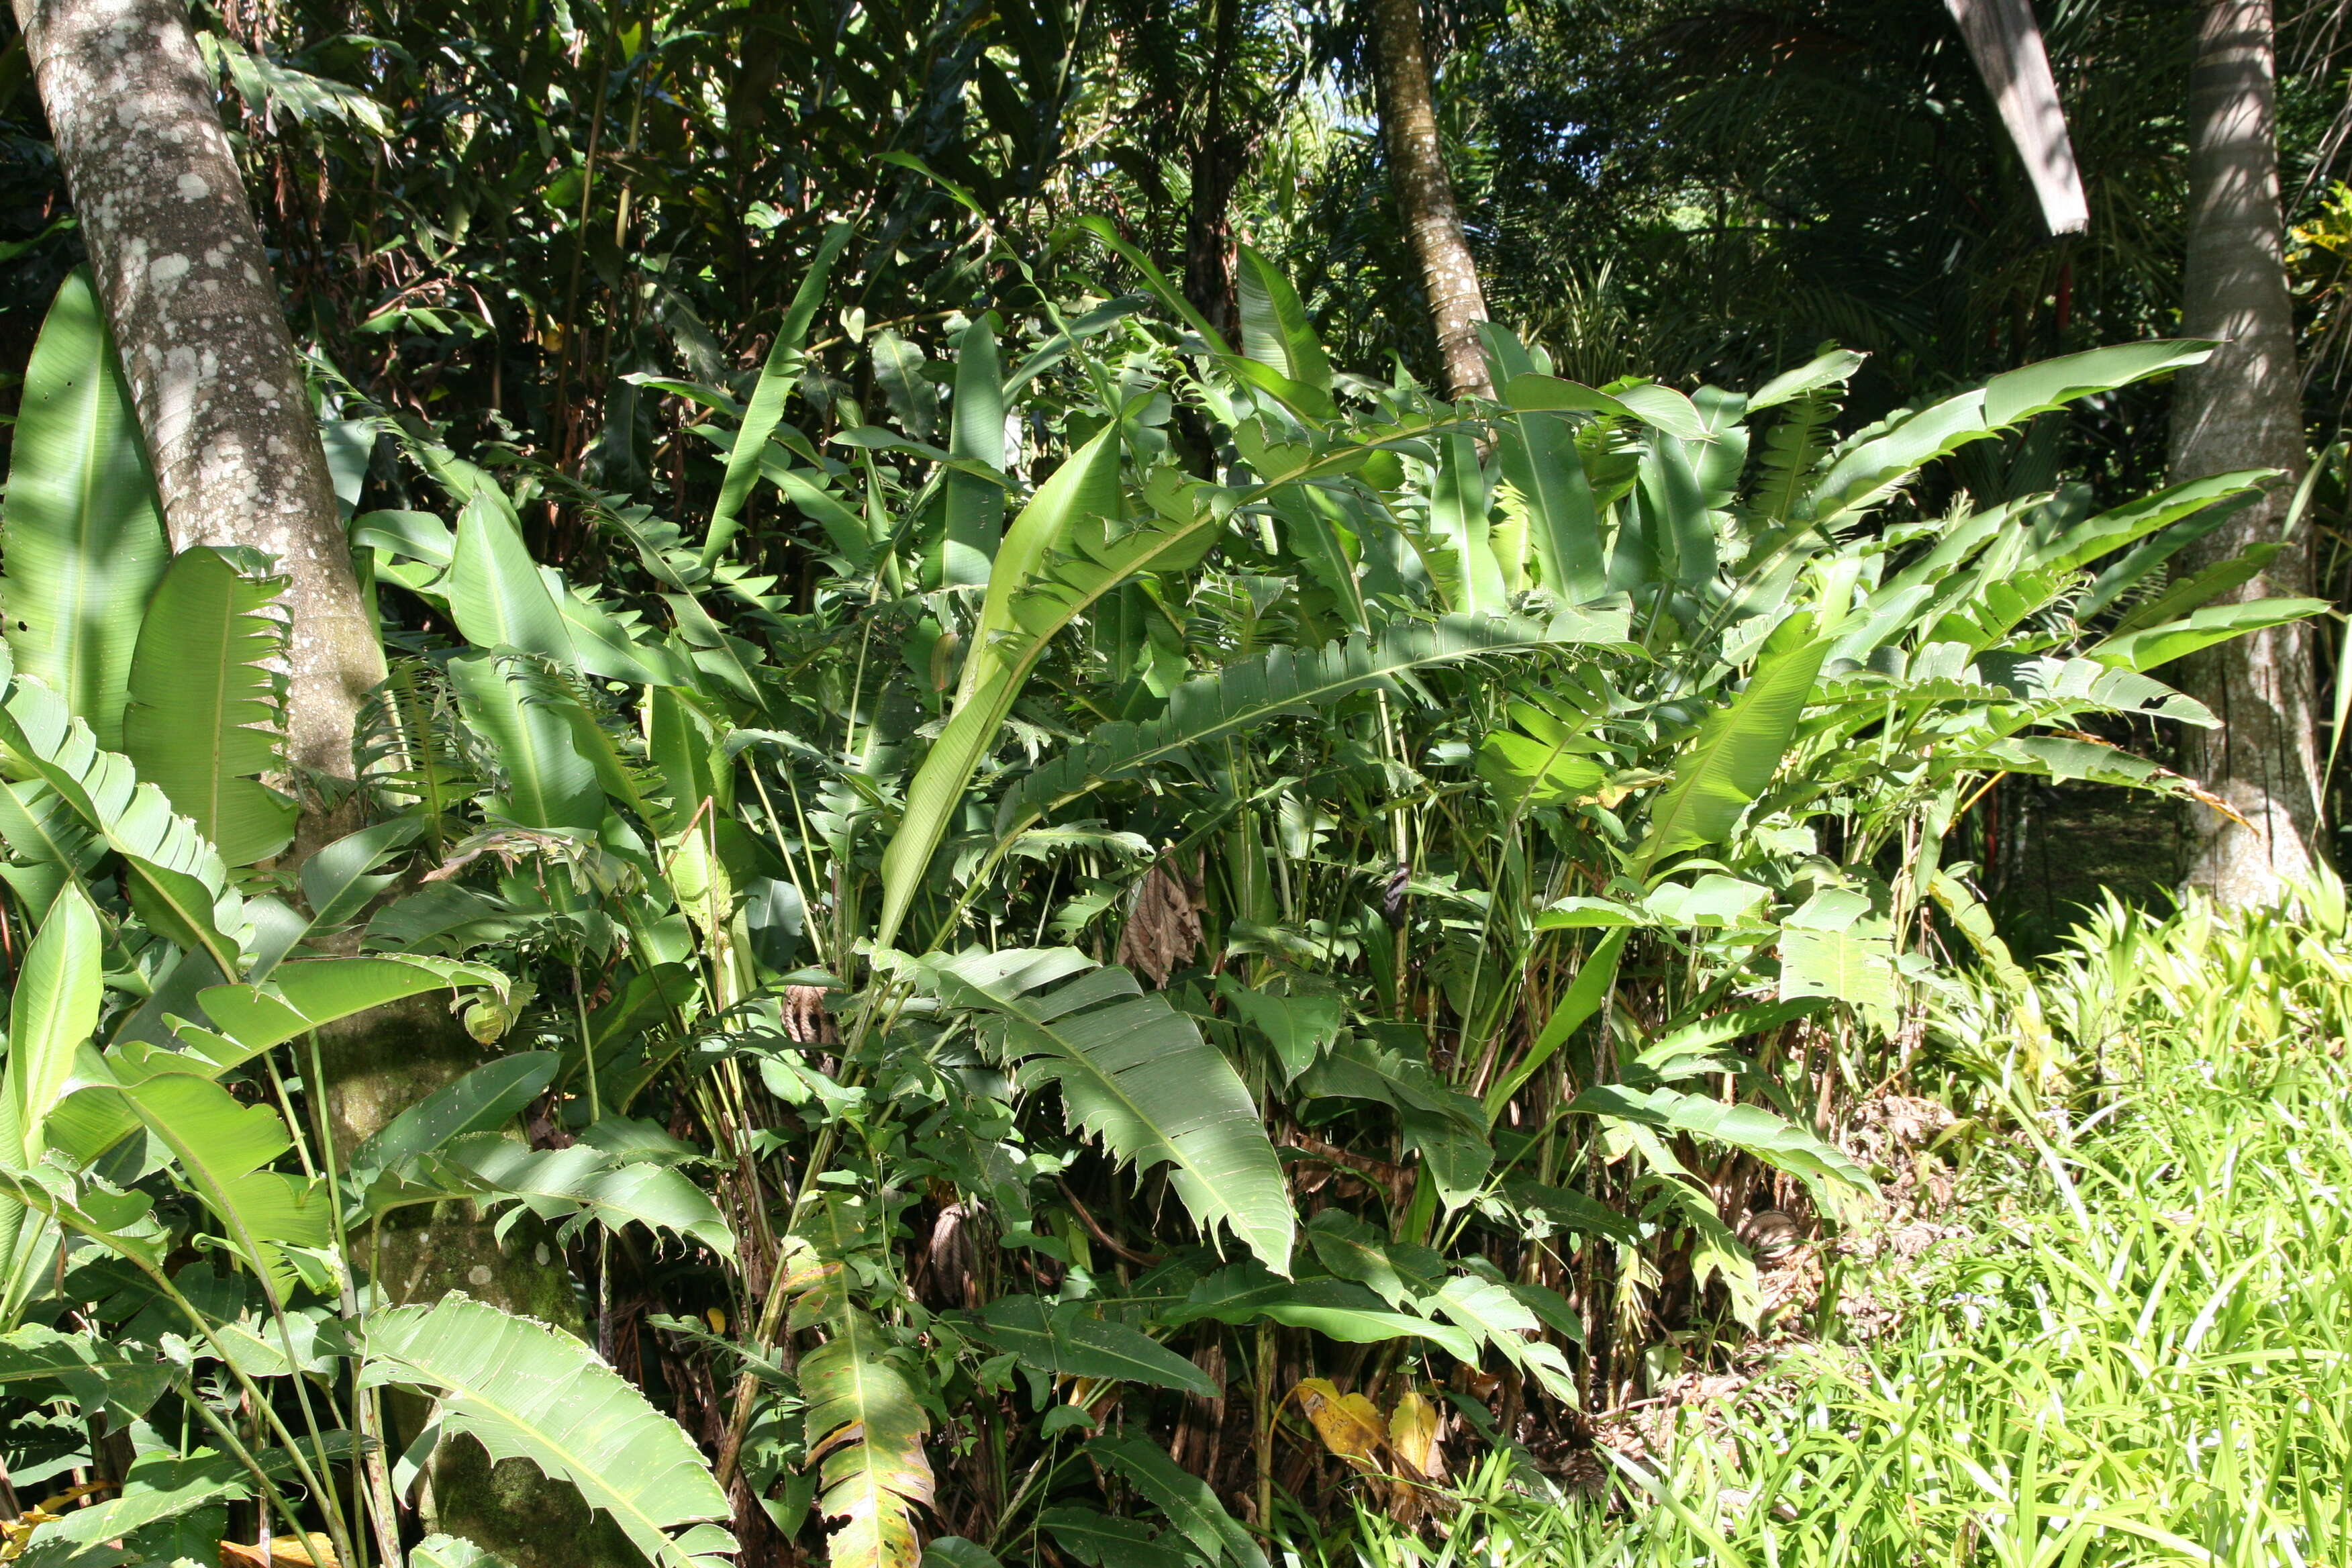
x=1510, y=797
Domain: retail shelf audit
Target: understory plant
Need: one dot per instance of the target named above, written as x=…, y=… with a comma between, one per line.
x=1127, y=926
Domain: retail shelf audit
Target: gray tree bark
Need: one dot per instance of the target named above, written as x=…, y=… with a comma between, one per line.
x=220, y=396
x=1424, y=193
x=2243, y=408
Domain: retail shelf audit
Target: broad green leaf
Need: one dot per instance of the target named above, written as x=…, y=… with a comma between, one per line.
x=207, y=709
x=581, y=1183
x=1099, y=1540
x=158, y=1486
x=1188, y=1501
x=955, y=1551
x=81, y=534
x=1336, y=1308
x=1459, y=502
x=866, y=1428
x=2112, y=530
x=1734, y=755
x=1498, y=1318
x=1826, y=1170
x=1541, y=461
x=515, y=704
x=1850, y=965
x=1136, y=1073
x=176, y=879
x=1660, y=406
x=1275, y=328
x=496, y=594
x=767, y=406
x=51, y=1014
x=527, y=1392
x=2017, y=395
x=113, y=1376
x=448, y=1552
x=221, y=1150
x=975, y=505
x=483, y=1099
x=339, y=879
x=1062, y=1339
x=1010, y=635
x=2154, y=646
x=307, y=994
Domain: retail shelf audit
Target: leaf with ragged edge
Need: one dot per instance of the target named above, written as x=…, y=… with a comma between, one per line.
x=1188, y=1501
x=113, y=1376
x=158, y=1486
x=448, y=1552
x=176, y=879
x=206, y=709
x=866, y=1431
x=1338, y=1309
x=526, y=1392
x=1826, y=1170
x=580, y=1184
x=51, y=1012
x=1136, y=1073
x=82, y=535
x=1062, y=1339
x=483, y=1099
x=1498, y=1318
x=516, y=705
x=1547, y=757
x=2151, y=646
x=1734, y=755
x=221, y=1150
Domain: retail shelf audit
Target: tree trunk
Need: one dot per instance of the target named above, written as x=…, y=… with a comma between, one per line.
x=2243, y=408
x=1217, y=162
x=1424, y=194
x=221, y=400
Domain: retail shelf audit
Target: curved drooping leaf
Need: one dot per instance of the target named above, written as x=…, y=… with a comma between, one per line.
x=1735, y=754
x=1190, y=1503
x=527, y=1392
x=1822, y=1166
x=1250, y=692
x=207, y=709
x=308, y=993
x=221, y=1149
x=1138, y=1074
x=82, y=536
x=1275, y=328
x=2152, y=646
x=767, y=405
x=176, y=879
x=481, y=1101
x=1338, y=1309
x=865, y=1426
x=1064, y=1340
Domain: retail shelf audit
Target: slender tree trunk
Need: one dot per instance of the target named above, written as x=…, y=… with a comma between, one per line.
x=221, y=400
x=1216, y=169
x=2243, y=408
x=1424, y=194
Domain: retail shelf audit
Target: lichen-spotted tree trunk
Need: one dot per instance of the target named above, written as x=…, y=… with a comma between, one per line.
x=1424, y=193
x=2243, y=408
x=220, y=398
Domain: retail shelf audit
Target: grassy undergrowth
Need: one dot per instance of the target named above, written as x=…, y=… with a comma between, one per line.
x=2136, y=1352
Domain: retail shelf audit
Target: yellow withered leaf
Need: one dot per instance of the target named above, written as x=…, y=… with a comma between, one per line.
x=284, y=1552
x=1349, y=1424
x=1413, y=1436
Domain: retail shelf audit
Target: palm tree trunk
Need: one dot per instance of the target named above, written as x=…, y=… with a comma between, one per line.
x=1424, y=194
x=2243, y=408
x=221, y=400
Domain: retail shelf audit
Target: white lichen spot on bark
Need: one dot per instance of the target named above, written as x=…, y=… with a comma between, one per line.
x=194, y=188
